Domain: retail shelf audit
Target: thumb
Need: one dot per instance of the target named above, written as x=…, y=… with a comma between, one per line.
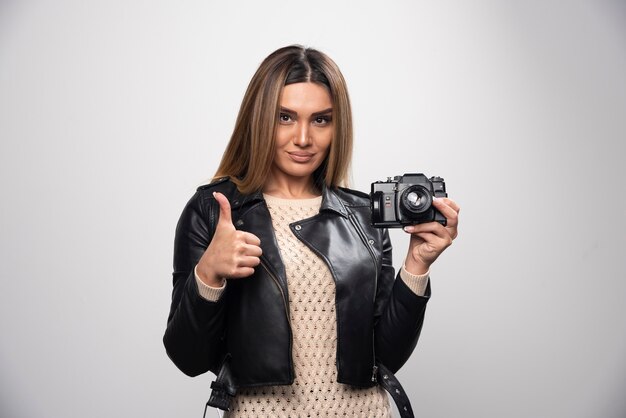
x=225, y=216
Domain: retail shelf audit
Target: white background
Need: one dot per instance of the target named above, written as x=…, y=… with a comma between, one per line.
x=112, y=112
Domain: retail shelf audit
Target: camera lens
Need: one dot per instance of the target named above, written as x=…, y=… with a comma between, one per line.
x=415, y=200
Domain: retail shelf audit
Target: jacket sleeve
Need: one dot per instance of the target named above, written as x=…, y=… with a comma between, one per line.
x=399, y=314
x=195, y=328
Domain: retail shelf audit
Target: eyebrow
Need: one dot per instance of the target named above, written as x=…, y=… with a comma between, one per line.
x=293, y=112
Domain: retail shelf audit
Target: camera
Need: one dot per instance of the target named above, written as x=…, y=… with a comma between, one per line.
x=406, y=200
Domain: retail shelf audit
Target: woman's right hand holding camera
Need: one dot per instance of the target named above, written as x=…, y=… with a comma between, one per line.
x=231, y=254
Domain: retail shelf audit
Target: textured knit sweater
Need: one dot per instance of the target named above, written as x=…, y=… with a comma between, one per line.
x=315, y=391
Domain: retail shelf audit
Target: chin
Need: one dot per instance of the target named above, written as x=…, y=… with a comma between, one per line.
x=298, y=170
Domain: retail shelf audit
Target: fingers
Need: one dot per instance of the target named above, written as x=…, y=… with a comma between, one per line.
x=242, y=272
x=241, y=262
x=449, y=209
x=435, y=241
x=427, y=230
x=251, y=238
x=225, y=215
x=249, y=262
x=434, y=227
x=244, y=267
x=250, y=250
x=244, y=256
x=450, y=203
x=255, y=251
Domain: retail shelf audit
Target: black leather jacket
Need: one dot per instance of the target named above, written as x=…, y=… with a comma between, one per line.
x=378, y=317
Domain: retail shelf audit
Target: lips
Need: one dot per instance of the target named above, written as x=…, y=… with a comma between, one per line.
x=301, y=157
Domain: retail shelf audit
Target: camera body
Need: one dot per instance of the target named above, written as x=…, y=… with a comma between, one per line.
x=406, y=200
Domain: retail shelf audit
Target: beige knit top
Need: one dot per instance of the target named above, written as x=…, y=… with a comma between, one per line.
x=315, y=391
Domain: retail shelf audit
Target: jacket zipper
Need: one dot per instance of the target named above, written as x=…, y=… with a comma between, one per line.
x=275, y=279
x=364, y=239
x=369, y=248
x=323, y=257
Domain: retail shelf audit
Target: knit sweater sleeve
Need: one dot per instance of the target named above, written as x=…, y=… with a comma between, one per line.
x=207, y=292
x=416, y=282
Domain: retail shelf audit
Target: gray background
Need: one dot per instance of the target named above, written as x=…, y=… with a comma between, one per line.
x=112, y=112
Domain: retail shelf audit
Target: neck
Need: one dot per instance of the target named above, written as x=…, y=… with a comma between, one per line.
x=291, y=188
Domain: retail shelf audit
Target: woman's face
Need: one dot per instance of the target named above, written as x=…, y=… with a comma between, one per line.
x=304, y=131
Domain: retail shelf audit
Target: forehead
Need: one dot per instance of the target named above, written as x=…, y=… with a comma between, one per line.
x=305, y=97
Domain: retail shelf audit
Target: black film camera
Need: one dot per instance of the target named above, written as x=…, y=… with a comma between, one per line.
x=406, y=200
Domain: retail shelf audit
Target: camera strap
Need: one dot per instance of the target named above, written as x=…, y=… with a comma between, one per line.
x=223, y=389
x=391, y=384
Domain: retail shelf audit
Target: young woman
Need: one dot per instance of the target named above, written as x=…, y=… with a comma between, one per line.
x=282, y=287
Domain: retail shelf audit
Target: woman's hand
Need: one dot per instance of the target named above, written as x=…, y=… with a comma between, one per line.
x=231, y=254
x=429, y=240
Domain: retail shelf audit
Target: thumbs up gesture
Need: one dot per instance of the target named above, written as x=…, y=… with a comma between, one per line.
x=231, y=254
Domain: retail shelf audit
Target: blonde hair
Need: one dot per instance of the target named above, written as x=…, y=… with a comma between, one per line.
x=249, y=154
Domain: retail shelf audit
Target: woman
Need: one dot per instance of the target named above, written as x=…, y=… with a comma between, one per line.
x=281, y=285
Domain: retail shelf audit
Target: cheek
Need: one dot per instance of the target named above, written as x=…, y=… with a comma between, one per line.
x=282, y=137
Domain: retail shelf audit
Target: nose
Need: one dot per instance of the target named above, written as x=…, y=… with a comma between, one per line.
x=302, y=136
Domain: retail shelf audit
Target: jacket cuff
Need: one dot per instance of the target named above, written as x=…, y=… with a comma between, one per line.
x=417, y=283
x=210, y=293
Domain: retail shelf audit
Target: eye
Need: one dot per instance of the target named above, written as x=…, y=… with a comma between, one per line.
x=285, y=118
x=322, y=120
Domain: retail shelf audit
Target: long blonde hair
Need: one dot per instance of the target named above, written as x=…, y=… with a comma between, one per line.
x=249, y=154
